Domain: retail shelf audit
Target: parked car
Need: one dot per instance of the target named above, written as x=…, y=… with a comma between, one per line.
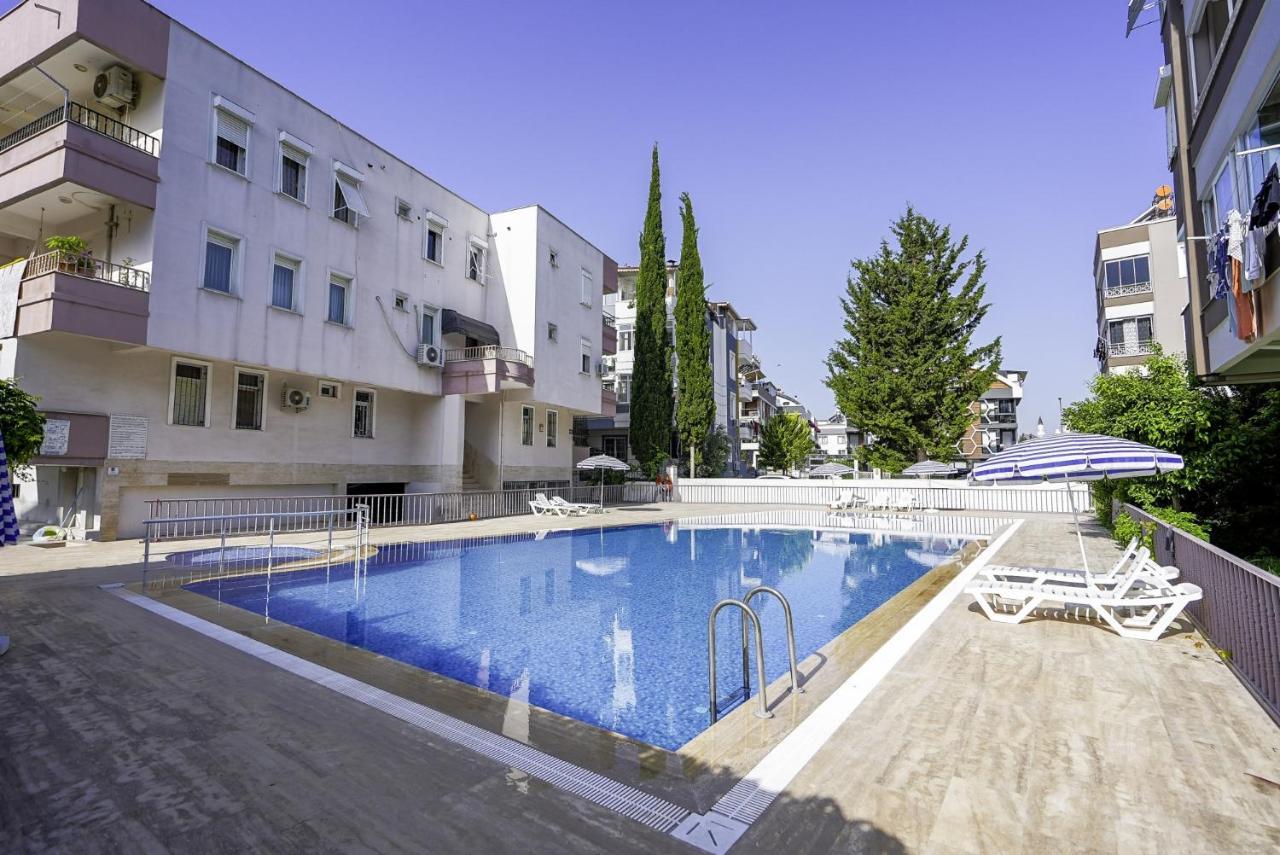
x=773, y=477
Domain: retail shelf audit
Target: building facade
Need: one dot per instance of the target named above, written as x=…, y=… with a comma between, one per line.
x=1220, y=90
x=255, y=299
x=995, y=418
x=1140, y=290
x=731, y=349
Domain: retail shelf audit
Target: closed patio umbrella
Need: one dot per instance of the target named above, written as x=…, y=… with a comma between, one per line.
x=603, y=462
x=930, y=469
x=1076, y=457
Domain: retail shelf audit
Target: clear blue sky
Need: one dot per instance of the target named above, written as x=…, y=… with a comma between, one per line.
x=801, y=130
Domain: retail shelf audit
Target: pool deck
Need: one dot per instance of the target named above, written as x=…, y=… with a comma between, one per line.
x=121, y=731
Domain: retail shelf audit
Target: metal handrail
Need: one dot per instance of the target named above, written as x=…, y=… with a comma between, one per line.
x=93, y=120
x=1141, y=347
x=747, y=615
x=791, y=629
x=488, y=351
x=86, y=266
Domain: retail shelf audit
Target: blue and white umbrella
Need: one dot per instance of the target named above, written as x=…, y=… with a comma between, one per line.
x=930, y=469
x=603, y=462
x=1076, y=457
x=830, y=470
x=8, y=517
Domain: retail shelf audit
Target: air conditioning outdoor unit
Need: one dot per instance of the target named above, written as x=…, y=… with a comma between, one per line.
x=430, y=354
x=295, y=399
x=114, y=87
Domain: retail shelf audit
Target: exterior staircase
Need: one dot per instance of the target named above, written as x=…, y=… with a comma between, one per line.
x=469, y=482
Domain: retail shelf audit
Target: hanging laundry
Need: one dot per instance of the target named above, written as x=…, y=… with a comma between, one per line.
x=1242, y=303
x=1254, y=252
x=1266, y=204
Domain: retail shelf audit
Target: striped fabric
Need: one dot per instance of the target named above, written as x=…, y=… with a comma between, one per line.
x=8, y=518
x=1076, y=457
x=826, y=470
x=603, y=461
x=929, y=468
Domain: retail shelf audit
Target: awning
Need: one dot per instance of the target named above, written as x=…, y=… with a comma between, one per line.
x=456, y=322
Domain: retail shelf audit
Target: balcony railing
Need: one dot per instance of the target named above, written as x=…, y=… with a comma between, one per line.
x=81, y=115
x=87, y=267
x=609, y=320
x=488, y=351
x=1126, y=290
x=1142, y=347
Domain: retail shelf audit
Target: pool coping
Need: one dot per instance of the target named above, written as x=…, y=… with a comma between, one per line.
x=713, y=830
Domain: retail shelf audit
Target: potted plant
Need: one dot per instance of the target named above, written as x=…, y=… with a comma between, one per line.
x=72, y=253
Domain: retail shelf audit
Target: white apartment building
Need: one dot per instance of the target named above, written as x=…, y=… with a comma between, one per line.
x=269, y=303
x=1140, y=289
x=730, y=348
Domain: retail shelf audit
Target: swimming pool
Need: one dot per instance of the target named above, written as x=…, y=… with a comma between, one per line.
x=606, y=625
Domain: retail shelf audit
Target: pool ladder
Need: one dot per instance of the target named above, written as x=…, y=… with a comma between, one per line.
x=750, y=617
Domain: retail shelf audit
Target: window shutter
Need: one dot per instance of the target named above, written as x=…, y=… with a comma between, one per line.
x=352, y=196
x=233, y=129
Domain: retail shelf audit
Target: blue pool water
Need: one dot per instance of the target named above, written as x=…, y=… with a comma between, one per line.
x=607, y=626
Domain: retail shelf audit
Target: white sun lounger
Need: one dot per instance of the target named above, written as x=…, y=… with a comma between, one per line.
x=904, y=501
x=540, y=505
x=879, y=501
x=1070, y=576
x=579, y=508
x=1141, y=604
x=845, y=500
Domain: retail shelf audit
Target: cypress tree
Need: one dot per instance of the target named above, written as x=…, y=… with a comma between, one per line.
x=695, y=404
x=651, y=395
x=907, y=370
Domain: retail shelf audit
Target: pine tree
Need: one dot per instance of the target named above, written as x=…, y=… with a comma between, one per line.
x=695, y=402
x=785, y=441
x=907, y=371
x=651, y=395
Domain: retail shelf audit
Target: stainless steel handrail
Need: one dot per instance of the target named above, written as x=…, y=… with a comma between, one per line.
x=791, y=629
x=747, y=615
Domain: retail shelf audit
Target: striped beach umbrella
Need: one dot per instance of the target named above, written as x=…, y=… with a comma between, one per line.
x=830, y=470
x=930, y=469
x=8, y=517
x=1076, y=457
x=603, y=462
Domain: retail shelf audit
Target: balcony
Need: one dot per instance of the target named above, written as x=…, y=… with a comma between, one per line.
x=608, y=334
x=487, y=368
x=81, y=115
x=80, y=294
x=1126, y=290
x=608, y=400
x=1142, y=347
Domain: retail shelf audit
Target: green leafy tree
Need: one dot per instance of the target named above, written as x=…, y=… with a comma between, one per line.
x=651, y=394
x=1157, y=406
x=907, y=369
x=21, y=424
x=715, y=454
x=695, y=404
x=785, y=441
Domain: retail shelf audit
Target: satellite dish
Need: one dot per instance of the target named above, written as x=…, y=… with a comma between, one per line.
x=1164, y=191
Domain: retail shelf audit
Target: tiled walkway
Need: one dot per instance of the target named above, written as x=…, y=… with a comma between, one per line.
x=121, y=731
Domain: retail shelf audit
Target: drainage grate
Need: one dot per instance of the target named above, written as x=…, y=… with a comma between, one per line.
x=606, y=792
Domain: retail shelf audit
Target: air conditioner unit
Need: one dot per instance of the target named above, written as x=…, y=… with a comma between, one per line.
x=114, y=87
x=430, y=354
x=295, y=399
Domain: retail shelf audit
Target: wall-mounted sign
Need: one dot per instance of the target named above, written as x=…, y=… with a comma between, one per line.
x=57, y=433
x=127, y=437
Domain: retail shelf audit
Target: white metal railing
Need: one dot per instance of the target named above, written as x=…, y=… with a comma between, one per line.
x=1143, y=347
x=928, y=494
x=86, y=266
x=1126, y=290
x=488, y=351
x=206, y=517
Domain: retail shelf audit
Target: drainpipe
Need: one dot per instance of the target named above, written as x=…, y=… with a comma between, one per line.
x=112, y=224
x=502, y=412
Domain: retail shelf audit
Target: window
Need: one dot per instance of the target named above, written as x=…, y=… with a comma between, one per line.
x=626, y=337
x=231, y=136
x=251, y=389
x=526, y=425
x=615, y=446
x=330, y=390
x=584, y=364
x=1223, y=193
x=348, y=201
x=553, y=332
x=553, y=258
x=362, y=414
x=294, y=156
x=400, y=302
x=1124, y=272
x=476, y=252
x=427, y=329
x=221, y=261
x=1264, y=132
x=1208, y=38
x=284, y=282
x=339, y=299
x=623, y=388
x=404, y=210
x=1129, y=336
x=433, y=243
x=189, y=394
x=585, y=288
x=553, y=428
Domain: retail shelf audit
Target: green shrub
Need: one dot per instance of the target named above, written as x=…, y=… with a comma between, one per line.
x=1125, y=528
x=66, y=243
x=1267, y=562
x=1183, y=520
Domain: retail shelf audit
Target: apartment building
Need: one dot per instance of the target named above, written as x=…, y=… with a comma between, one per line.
x=995, y=418
x=1219, y=88
x=256, y=299
x=731, y=347
x=1140, y=289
